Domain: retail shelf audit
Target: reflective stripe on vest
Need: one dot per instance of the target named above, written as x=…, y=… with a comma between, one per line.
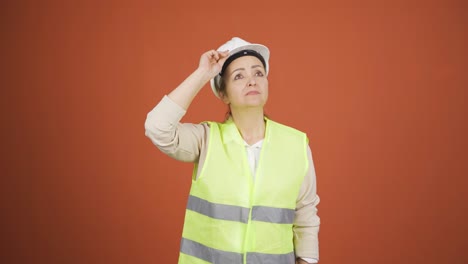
x=234, y=217
x=212, y=255
x=240, y=214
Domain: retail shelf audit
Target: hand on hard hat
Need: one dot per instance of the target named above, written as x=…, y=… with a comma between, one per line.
x=212, y=62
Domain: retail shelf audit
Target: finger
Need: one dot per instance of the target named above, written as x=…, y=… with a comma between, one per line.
x=216, y=55
x=210, y=54
x=222, y=60
x=224, y=53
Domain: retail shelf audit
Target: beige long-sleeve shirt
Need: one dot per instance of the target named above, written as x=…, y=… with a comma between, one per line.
x=189, y=142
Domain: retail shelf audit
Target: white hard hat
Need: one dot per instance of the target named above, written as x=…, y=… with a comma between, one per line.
x=235, y=45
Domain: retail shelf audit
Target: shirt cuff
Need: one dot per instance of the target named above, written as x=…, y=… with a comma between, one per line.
x=310, y=260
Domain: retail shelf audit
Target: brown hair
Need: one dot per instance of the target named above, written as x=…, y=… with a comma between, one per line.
x=221, y=89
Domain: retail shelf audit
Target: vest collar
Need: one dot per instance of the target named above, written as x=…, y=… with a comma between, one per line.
x=231, y=133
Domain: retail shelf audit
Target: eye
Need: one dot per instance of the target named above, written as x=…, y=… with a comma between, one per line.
x=259, y=73
x=238, y=76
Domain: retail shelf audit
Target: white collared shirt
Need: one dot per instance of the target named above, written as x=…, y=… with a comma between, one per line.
x=253, y=154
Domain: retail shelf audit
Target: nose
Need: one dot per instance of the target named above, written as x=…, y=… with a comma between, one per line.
x=252, y=81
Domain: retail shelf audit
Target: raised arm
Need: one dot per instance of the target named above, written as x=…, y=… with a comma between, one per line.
x=210, y=64
x=182, y=141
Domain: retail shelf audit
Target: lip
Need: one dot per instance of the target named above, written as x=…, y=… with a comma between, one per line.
x=252, y=93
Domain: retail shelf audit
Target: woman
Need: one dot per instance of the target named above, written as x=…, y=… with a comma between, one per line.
x=253, y=196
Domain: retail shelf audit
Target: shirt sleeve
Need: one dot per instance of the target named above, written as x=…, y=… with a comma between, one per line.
x=310, y=260
x=182, y=141
x=307, y=222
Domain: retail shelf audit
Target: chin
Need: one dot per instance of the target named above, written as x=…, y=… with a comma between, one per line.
x=256, y=104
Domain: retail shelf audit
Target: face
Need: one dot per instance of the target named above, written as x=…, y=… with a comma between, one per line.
x=246, y=83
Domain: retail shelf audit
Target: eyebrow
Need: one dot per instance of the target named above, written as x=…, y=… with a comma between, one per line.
x=239, y=69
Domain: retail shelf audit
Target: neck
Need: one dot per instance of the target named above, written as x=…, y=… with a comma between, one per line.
x=250, y=123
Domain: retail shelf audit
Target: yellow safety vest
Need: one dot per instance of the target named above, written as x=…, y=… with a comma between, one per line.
x=235, y=218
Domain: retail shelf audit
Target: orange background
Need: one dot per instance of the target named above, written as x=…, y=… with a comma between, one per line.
x=380, y=89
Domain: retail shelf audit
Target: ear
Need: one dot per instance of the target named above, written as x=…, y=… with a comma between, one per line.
x=224, y=98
